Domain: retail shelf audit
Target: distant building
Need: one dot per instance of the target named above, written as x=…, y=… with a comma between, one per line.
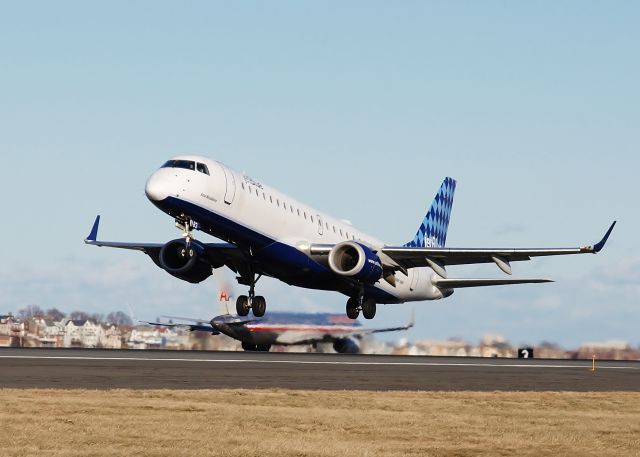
x=111, y=337
x=49, y=333
x=548, y=350
x=609, y=350
x=494, y=346
x=82, y=333
x=451, y=348
x=12, y=331
x=148, y=337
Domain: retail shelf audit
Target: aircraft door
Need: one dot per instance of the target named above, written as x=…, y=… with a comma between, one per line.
x=320, y=225
x=230, y=190
x=415, y=276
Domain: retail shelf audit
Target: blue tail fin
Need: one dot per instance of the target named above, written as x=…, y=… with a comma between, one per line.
x=433, y=230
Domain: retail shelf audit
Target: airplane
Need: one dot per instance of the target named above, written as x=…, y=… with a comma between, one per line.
x=287, y=329
x=280, y=327
x=268, y=233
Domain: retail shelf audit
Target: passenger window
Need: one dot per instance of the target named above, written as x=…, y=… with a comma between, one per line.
x=270, y=198
x=284, y=205
x=202, y=168
x=305, y=215
x=257, y=193
x=334, y=229
x=298, y=211
x=311, y=218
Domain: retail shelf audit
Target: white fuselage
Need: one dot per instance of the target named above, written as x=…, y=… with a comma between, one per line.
x=252, y=207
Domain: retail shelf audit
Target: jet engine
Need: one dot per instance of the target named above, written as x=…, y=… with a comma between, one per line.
x=356, y=261
x=346, y=346
x=188, y=263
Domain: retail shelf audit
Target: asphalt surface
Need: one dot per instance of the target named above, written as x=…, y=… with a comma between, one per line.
x=107, y=369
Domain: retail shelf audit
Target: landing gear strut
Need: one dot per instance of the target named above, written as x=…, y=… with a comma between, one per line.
x=257, y=303
x=185, y=224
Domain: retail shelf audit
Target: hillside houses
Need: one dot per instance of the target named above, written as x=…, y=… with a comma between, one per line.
x=82, y=333
x=86, y=333
x=12, y=331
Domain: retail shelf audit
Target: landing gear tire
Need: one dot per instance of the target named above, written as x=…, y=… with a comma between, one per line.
x=248, y=346
x=353, y=308
x=242, y=307
x=259, y=306
x=369, y=308
x=256, y=347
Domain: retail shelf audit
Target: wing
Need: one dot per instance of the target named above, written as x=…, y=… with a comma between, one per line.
x=407, y=326
x=295, y=337
x=436, y=258
x=218, y=254
x=202, y=327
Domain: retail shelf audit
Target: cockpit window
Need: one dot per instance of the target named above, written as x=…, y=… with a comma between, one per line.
x=202, y=168
x=186, y=164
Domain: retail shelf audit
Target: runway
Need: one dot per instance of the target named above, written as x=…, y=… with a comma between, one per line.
x=107, y=369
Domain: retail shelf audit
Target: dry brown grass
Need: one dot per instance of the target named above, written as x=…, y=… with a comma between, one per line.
x=300, y=423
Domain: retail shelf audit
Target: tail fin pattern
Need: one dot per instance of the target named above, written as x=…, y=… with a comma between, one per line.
x=433, y=230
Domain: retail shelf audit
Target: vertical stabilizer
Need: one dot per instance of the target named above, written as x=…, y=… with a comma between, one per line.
x=433, y=230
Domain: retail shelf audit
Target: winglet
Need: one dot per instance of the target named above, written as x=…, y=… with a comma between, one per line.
x=412, y=322
x=599, y=245
x=93, y=235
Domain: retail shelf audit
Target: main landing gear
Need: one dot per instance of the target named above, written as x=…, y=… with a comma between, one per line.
x=256, y=303
x=357, y=304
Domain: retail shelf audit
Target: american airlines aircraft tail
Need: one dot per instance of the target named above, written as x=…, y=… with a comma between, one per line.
x=268, y=233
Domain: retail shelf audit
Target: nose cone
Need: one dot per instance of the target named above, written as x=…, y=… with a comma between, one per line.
x=156, y=188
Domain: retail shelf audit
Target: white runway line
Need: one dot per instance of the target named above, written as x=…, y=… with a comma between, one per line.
x=320, y=362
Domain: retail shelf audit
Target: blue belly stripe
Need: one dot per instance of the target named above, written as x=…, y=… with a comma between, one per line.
x=278, y=259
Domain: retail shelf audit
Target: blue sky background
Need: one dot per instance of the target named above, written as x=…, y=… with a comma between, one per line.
x=358, y=108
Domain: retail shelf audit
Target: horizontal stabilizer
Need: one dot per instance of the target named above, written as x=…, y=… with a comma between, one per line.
x=459, y=283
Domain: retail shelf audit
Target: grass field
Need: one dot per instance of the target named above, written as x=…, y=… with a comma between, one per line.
x=302, y=423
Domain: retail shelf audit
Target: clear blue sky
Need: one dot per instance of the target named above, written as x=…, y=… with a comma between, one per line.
x=358, y=108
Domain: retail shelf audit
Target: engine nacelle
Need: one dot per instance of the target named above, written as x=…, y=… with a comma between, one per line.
x=189, y=264
x=356, y=261
x=346, y=346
